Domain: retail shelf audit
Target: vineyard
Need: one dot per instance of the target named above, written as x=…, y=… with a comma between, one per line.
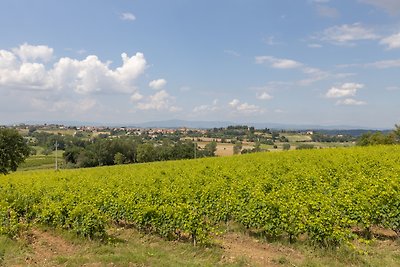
x=326, y=196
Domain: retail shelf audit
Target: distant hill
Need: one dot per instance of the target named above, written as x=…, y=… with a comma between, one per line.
x=218, y=124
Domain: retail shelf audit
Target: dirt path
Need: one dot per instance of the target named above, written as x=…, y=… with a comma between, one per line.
x=238, y=246
x=46, y=246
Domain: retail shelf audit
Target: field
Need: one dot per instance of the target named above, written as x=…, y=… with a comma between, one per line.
x=41, y=161
x=329, y=199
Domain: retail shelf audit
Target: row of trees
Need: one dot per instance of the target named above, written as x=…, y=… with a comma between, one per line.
x=103, y=152
x=379, y=138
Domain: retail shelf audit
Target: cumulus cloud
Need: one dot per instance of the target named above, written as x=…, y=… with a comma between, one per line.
x=157, y=84
x=244, y=108
x=264, y=96
x=345, y=90
x=24, y=75
x=159, y=101
x=390, y=6
x=28, y=52
x=345, y=93
x=207, y=108
x=21, y=68
x=392, y=41
x=128, y=16
x=136, y=97
x=278, y=63
x=347, y=34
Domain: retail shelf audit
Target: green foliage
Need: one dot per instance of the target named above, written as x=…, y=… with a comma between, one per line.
x=377, y=138
x=305, y=146
x=320, y=194
x=286, y=146
x=237, y=148
x=119, y=158
x=13, y=150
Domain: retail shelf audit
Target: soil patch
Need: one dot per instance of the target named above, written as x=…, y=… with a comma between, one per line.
x=255, y=252
x=46, y=246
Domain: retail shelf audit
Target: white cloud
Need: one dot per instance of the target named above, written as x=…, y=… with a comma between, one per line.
x=159, y=101
x=390, y=6
x=136, y=97
x=314, y=75
x=350, y=102
x=278, y=63
x=157, y=84
x=345, y=90
x=384, y=64
x=244, y=108
x=24, y=75
x=21, y=70
x=392, y=41
x=264, y=96
x=348, y=34
x=64, y=105
x=207, y=108
x=128, y=16
x=28, y=52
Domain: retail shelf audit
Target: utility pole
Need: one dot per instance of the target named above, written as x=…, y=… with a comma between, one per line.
x=56, y=155
x=195, y=149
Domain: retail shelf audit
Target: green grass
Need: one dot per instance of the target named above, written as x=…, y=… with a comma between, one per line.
x=40, y=161
x=129, y=247
x=125, y=247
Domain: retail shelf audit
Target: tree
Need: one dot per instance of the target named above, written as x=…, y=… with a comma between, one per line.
x=237, y=148
x=119, y=158
x=377, y=138
x=13, y=150
x=210, y=149
x=286, y=146
x=146, y=153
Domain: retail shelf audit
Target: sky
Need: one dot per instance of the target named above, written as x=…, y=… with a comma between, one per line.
x=320, y=62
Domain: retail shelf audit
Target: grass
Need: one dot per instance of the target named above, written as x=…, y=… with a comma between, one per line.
x=11, y=251
x=41, y=161
x=125, y=247
x=128, y=247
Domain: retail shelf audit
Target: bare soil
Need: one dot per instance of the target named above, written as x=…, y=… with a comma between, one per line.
x=46, y=246
x=239, y=246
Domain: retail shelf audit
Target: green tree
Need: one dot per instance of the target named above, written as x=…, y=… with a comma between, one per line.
x=13, y=150
x=210, y=149
x=237, y=148
x=146, y=153
x=119, y=158
x=286, y=146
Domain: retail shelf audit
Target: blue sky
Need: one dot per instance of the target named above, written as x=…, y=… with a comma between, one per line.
x=326, y=62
